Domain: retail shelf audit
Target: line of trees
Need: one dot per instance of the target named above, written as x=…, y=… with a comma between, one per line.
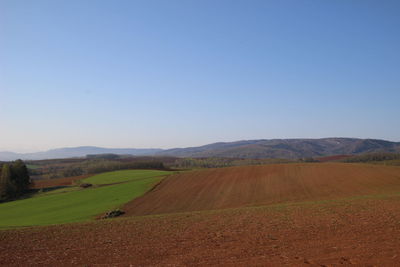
x=92, y=166
x=14, y=180
x=373, y=157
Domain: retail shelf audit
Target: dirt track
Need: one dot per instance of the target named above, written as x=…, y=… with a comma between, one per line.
x=365, y=232
x=259, y=185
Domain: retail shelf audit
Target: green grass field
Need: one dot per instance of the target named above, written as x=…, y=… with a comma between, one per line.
x=81, y=204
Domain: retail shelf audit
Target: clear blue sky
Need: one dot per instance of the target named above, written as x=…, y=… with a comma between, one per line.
x=185, y=73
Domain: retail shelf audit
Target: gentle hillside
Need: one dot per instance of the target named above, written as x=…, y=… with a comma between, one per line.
x=268, y=184
x=73, y=203
x=287, y=148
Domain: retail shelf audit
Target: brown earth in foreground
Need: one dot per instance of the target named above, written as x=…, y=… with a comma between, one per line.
x=364, y=232
x=263, y=185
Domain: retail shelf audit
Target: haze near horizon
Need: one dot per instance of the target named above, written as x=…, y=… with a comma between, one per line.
x=186, y=73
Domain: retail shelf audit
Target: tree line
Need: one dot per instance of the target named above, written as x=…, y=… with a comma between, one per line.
x=371, y=157
x=93, y=166
x=14, y=180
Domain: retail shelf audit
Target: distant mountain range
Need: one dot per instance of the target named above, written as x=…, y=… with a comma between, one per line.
x=73, y=152
x=287, y=148
x=271, y=148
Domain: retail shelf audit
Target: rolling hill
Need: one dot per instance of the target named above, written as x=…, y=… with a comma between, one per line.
x=264, y=148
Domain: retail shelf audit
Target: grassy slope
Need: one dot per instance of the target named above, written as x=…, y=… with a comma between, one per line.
x=81, y=205
x=123, y=176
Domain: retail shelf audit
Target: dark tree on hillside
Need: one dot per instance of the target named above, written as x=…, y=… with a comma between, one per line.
x=14, y=180
x=20, y=176
x=6, y=186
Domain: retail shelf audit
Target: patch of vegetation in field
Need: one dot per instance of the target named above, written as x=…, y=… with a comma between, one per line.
x=123, y=176
x=32, y=166
x=75, y=206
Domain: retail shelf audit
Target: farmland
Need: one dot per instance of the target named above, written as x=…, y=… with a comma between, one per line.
x=57, y=182
x=73, y=204
x=263, y=185
x=123, y=176
x=309, y=214
x=199, y=133
x=364, y=232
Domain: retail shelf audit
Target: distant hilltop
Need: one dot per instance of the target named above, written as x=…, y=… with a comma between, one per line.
x=264, y=148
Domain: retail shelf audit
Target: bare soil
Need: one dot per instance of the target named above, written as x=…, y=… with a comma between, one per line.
x=263, y=185
x=363, y=232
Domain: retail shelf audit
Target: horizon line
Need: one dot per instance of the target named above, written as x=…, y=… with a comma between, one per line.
x=241, y=140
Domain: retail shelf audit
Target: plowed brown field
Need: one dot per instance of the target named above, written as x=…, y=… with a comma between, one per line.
x=364, y=232
x=260, y=185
